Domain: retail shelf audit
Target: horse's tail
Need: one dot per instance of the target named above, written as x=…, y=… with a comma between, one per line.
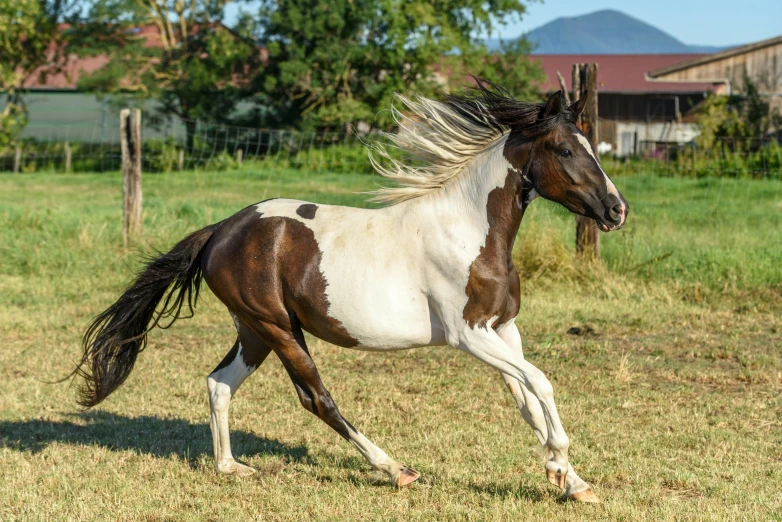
x=114, y=338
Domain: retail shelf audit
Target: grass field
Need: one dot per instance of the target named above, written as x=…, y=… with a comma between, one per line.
x=671, y=394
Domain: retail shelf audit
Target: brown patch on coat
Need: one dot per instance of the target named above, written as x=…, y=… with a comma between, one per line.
x=253, y=350
x=307, y=210
x=267, y=272
x=493, y=287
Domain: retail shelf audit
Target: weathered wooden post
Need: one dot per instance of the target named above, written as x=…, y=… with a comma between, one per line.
x=130, y=144
x=17, y=159
x=181, y=161
x=67, y=157
x=585, y=81
x=239, y=153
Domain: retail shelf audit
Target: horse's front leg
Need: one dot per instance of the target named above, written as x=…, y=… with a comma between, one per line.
x=489, y=347
x=532, y=413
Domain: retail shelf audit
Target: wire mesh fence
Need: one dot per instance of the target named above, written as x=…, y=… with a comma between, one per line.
x=188, y=145
x=181, y=144
x=758, y=158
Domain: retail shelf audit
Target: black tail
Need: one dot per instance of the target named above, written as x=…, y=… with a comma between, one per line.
x=114, y=338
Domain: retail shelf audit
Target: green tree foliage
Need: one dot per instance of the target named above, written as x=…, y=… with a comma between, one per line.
x=175, y=52
x=744, y=115
x=334, y=62
x=32, y=43
x=510, y=66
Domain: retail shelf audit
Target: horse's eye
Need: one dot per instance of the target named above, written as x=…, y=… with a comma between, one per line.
x=566, y=153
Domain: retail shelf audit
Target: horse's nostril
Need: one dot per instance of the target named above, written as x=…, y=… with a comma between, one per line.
x=616, y=211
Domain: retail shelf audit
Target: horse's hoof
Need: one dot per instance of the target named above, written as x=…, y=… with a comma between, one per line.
x=556, y=477
x=234, y=468
x=585, y=496
x=406, y=477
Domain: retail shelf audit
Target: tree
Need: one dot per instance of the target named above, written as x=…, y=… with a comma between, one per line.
x=333, y=62
x=743, y=115
x=33, y=42
x=509, y=66
x=175, y=52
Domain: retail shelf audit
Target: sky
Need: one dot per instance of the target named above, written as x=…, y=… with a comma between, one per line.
x=714, y=22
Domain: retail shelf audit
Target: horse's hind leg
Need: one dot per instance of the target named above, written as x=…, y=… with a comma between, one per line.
x=292, y=350
x=244, y=358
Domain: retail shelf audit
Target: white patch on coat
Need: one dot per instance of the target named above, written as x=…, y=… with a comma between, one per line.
x=609, y=184
x=222, y=385
x=397, y=276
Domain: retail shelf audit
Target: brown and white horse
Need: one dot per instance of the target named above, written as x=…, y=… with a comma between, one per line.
x=431, y=268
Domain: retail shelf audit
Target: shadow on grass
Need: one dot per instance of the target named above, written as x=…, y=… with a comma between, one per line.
x=150, y=435
x=511, y=491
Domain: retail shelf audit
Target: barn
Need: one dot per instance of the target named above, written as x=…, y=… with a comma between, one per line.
x=761, y=62
x=633, y=110
x=649, y=99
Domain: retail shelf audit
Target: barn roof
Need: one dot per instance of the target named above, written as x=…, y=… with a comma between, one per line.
x=620, y=73
x=700, y=60
x=66, y=80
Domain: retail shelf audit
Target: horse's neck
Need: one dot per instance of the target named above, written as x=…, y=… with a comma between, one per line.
x=486, y=198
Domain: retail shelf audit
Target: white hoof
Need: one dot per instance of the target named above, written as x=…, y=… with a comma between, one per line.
x=231, y=467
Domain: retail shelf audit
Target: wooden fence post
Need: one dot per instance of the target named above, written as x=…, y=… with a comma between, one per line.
x=17, y=159
x=239, y=154
x=585, y=81
x=67, y=157
x=181, y=161
x=130, y=144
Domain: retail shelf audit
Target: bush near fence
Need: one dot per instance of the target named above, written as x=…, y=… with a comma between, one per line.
x=745, y=158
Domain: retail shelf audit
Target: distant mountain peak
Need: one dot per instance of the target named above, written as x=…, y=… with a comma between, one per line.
x=607, y=31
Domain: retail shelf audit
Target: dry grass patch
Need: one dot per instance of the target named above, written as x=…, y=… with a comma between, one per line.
x=669, y=391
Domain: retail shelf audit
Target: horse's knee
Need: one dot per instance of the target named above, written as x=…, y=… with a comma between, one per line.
x=219, y=393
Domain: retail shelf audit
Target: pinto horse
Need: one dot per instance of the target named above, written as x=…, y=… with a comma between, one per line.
x=432, y=267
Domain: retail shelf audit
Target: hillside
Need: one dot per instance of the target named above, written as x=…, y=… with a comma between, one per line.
x=605, y=32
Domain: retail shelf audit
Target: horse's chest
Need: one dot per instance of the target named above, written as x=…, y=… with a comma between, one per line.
x=492, y=290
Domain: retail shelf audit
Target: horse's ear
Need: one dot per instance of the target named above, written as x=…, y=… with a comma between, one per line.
x=578, y=106
x=553, y=105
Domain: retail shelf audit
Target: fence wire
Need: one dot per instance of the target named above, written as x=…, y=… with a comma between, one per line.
x=188, y=145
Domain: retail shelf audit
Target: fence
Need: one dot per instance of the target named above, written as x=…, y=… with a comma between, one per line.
x=188, y=145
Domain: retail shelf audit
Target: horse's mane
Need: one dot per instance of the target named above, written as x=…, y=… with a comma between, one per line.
x=438, y=138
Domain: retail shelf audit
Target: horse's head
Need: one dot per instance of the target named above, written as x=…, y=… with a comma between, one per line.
x=562, y=166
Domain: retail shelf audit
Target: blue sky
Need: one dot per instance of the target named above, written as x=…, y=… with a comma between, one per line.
x=713, y=22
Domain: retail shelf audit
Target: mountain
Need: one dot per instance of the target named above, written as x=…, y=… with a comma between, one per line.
x=605, y=32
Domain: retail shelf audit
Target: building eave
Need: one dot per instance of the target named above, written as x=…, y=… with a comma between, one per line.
x=714, y=57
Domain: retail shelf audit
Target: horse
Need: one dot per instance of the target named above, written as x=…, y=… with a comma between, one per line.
x=431, y=267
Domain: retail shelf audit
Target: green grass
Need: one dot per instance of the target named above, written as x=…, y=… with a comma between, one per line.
x=671, y=397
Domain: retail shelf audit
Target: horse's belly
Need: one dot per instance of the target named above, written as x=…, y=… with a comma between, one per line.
x=385, y=318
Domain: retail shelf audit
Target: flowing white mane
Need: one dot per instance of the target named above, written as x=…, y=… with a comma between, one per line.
x=437, y=142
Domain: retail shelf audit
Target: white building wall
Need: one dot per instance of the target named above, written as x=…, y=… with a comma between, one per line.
x=628, y=134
